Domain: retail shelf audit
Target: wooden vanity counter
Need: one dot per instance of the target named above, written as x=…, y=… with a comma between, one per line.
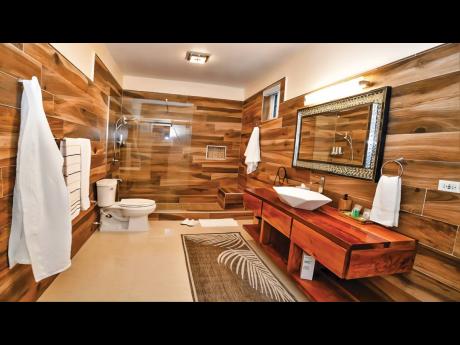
x=345, y=247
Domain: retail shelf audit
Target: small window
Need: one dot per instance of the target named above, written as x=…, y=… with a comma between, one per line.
x=271, y=102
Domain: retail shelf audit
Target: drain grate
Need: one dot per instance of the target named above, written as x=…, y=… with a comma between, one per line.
x=214, y=152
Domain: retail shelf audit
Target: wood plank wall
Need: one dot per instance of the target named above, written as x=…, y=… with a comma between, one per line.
x=75, y=107
x=175, y=172
x=424, y=128
x=107, y=83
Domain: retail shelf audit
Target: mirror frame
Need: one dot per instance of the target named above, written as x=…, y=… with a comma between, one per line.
x=376, y=139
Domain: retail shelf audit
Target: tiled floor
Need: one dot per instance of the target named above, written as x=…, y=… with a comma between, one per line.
x=144, y=266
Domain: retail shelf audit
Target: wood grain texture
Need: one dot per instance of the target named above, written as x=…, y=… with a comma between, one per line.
x=327, y=221
x=382, y=258
x=252, y=203
x=8, y=176
x=10, y=90
x=75, y=107
x=457, y=244
x=444, y=206
x=433, y=233
x=423, y=127
x=9, y=134
x=322, y=249
x=412, y=199
x=104, y=80
x=277, y=219
x=439, y=266
x=16, y=63
x=380, y=261
x=413, y=286
x=167, y=164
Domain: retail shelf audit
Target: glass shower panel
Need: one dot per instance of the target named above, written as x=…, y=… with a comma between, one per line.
x=156, y=154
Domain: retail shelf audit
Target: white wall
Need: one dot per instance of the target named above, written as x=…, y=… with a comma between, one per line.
x=182, y=88
x=82, y=56
x=320, y=64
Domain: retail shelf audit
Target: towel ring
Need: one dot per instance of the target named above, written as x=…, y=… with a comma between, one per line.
x=396, y=161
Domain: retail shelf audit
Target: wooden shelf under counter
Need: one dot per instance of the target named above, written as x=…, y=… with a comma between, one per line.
x=346, y=249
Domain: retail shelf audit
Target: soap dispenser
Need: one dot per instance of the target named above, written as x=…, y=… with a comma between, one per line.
x=345, y=203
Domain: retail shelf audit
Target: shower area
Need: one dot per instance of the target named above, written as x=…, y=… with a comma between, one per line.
x=177, y=150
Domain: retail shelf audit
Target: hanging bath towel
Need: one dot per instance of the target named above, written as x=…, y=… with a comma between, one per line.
x=77, y=170
x=252, y=152
x=387, y=201
x=41, y=229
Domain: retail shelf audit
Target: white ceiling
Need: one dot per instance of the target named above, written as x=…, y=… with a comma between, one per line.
x=230, y=64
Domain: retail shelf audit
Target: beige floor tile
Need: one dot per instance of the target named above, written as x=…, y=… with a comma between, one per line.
x=144, y=266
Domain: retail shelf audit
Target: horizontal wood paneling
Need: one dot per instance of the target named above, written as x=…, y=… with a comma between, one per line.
x=424, y=128
x=442, y=205
x=75, y=107
x=426, y=106
x=16, y=63
x=167, y=170
x=441, y=267
x=433, y=233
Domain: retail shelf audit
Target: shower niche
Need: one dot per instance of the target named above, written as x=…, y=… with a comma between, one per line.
x=344, y=137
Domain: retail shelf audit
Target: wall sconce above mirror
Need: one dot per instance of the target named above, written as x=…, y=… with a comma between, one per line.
x=345, y=136
x=336, y=91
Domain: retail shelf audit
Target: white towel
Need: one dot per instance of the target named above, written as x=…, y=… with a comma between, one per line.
x=252, y=152
x=217, y=223
x=72, y=174
x=387, y=200
x=41, y=230
x=83, y=159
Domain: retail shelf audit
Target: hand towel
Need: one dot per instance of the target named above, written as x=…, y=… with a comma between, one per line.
x=387, y=200
x=252, y=152
x=71, y=152
x=215, y=223
x=85, y=168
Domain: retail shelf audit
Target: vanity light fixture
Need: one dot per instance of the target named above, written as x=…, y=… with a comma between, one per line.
x=335, y=91
x=198, y=58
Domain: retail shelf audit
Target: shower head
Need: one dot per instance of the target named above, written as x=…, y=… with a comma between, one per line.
x=120, y=122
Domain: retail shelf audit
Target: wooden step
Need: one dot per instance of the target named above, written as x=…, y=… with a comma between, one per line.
x=177, y=214
x=230, y=197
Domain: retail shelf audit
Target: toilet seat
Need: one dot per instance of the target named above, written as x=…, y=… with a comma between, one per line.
x=136, y=203
x=128, y=214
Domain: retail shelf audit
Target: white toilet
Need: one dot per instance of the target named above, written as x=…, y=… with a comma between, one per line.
x=124, y=215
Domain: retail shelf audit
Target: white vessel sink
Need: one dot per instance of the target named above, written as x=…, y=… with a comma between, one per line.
x=301, y=198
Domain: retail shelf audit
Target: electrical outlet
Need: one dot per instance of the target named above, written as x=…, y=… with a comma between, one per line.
x=449, y=186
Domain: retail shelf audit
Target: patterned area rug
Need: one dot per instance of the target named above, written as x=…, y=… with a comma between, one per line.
x=223, y=268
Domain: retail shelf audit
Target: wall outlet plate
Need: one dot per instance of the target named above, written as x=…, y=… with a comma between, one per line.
x=449, y=186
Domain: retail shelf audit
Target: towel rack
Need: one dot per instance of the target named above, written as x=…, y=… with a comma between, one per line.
x=398, y=161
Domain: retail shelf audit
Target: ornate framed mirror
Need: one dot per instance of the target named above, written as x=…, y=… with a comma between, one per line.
x=345, y=136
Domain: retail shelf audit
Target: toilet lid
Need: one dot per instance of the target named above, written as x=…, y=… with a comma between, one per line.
x=136, y=202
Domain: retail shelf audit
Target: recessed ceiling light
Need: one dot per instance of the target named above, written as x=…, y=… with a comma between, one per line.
x=199, y=58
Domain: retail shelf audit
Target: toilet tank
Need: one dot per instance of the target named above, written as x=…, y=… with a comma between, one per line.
x=106, y=192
